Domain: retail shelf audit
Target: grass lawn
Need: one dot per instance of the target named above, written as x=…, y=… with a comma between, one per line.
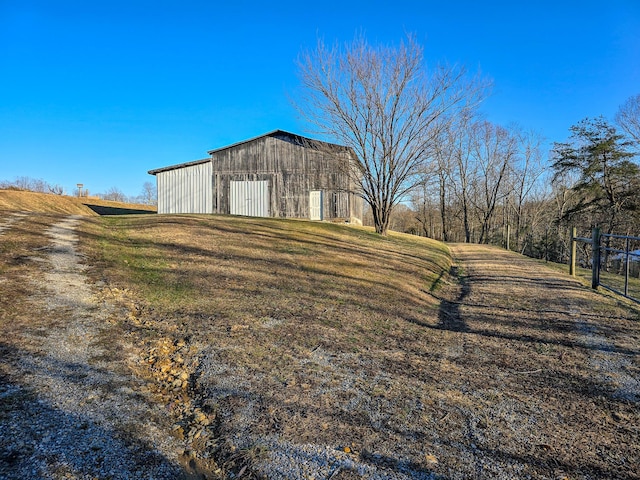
x=286, y=333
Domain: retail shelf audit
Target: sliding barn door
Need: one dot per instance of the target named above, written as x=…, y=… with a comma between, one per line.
x=249, y=198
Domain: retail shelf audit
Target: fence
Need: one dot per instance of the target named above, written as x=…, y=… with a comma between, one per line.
x=614, y=262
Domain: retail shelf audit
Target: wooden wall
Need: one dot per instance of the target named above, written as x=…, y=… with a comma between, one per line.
x=293, y=168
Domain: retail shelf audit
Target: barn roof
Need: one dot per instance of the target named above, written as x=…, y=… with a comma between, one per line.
x=278, y=134
x=180, y=165
x=274, y=133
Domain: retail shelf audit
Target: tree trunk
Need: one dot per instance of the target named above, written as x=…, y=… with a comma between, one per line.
x=381, y=218
x=443, y=211
x=465, y=216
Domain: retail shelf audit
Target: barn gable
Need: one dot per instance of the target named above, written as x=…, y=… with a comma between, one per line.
x=278, y=174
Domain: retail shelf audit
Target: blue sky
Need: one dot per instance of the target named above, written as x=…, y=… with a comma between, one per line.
x=100, y=92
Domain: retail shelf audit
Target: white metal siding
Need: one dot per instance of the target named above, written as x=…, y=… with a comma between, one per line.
x=250, y=198
x=186, y=189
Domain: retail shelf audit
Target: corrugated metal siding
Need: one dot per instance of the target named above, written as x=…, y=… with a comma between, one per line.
x=272, y=175
x=186, y=190
x=249, y=198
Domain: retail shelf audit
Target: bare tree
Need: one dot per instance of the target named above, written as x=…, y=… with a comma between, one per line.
x=628, y=117
x=24, y=183
x=33, y=185
x=526, y=172
x=56, y=189
x=114, y=194
x=404, y=220
x=494, y=149
x=458, y=168
x=426, y=208
x=385, y=105
x=149, y=194
x=443, y=166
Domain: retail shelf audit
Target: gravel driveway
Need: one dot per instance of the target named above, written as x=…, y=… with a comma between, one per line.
x=68, y=410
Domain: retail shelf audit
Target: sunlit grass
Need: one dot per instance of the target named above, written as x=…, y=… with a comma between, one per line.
x=224, y=264
x=333, y=335
x=610, y=279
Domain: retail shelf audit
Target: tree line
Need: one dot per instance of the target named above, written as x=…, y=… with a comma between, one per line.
x=493, y=185
x=430, y=164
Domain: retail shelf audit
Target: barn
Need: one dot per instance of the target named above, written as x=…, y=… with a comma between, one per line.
x=278, y=174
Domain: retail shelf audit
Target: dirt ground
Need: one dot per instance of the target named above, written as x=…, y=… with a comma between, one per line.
x=520, y=372
x=554, y=363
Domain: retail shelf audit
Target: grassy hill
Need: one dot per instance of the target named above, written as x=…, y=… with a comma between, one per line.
x=23, y=201
x=223, y=264
x=293, y=322
x=270, y=338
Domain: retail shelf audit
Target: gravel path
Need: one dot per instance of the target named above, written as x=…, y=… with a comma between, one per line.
x=70, y=411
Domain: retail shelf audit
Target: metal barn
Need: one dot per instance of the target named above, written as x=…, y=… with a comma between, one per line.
x=278, y=174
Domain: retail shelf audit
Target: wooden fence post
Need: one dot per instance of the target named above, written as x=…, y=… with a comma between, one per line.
x=595, y=258
x=626, y=268
x=572, y=252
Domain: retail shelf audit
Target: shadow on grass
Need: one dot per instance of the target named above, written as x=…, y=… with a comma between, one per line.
x=449, y=316
x=104, y=210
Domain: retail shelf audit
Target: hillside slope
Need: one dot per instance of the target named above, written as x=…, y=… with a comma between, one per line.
x=265, y=348
x=23, y=201
x=194, y=316
x=289, y=333
x=328, y=351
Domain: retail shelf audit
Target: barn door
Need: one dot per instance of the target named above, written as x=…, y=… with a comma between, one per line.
x=249, y=198
x=315, y=205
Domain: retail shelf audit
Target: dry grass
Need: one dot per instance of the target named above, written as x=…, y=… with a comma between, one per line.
x=610, y=280
x=22, y=201
x=314, y=327
x=243, y=270
x=565, y=356
x=316, y=333
x=18, y=247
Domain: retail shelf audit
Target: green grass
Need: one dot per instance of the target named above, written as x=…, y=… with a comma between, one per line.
x=607, y=279
x=221, y=264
